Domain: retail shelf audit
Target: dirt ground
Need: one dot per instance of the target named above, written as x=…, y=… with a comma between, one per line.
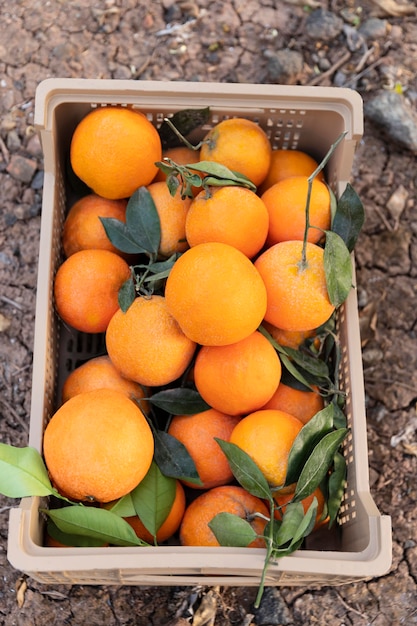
x=369, y=46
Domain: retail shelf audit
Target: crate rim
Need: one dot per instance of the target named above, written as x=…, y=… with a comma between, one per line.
x=54, y=91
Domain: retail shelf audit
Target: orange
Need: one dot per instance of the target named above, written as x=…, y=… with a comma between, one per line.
x=194, y=529
x=289, y=338
x=283, y=499
x=83, y=229
x=233, y=215
x=297, y=297
x=300, y=403
x=98, y=446
x=197, y=433
x=146, y=345
x=238, y=378
x=287, y=163
x=86, y=289
x=286, y=204
x=113, y=151
x=172, y=212
x=241, y=145
x=216, y=294
x=100, y=373
x=182, y=155
x=169, y=526
x=267, y=437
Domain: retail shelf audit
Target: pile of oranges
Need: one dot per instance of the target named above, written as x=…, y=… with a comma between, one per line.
x=236, y=264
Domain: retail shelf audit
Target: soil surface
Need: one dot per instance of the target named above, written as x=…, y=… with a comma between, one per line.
x=369, y=46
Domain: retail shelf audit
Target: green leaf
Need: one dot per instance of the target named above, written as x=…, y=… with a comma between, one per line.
x=172, y=183
x=94, y=522
x=291, y=368
x=220, y=175
x=173, y=458
x=318, y=463
x=349, y=217
x=303, y=368
x=179, y=401
x=123, y=507
x=245, y=470
x=278, y=553
x=185, y=122
x=336, y=487
x=291, y=520
x=333, y=202
x=306, y=440
x=142, y=220
x=317, y=368
x=288, y=379
x=160, y=269
x=126, y=295
x=74, y=541
x=23, y=473
x=153, y=498
x=120, y=236
x=307, y=523
x=231, y=530
x=340, y=420
x=163, y=266
x=338, y=268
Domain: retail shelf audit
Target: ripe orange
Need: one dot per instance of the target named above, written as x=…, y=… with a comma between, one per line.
x=287, y=163
x=302, y=404
x=216, y=294
x=241, y=145
x=194, y=529
x=98, y=446
x=146, y=345
x=297, y=297
x=286, y=204
x=83, y=229
x=100, y=373
x=289, y=338
x=267, y=437
x=86, y=289
x=114, y=150
x=171, y=523
x=233, y=215
x=283, y=499
x=172, y=212
x=182, y=155
x=197, y=433
x=238, y=378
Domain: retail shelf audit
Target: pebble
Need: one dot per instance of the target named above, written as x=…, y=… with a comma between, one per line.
x=374, y=28
x=397, y=202
x=323, y=25
x=394, y=115
x=284, y=65
x=21, y=168
x=37, y=181
x=34, y=146
x=13, y=141
x=273, y=610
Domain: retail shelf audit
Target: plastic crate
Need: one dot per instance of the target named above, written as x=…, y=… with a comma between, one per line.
x=295, y=117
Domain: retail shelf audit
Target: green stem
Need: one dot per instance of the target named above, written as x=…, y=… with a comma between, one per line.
x=303, y=263
x=319, y=168
x=181, y=137
x=269, y=549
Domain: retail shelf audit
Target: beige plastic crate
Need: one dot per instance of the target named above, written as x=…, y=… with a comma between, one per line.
x=307, y=118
